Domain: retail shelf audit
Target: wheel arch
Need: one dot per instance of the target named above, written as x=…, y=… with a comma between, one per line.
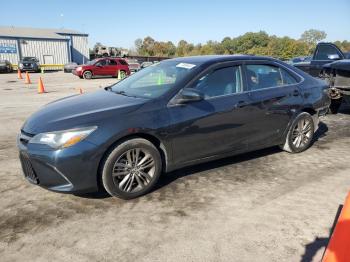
x=309, y=110
x=88, y=70
x=164, y=154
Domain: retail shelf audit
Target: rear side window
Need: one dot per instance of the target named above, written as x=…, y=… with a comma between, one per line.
x=112, y=62
x=223, y=81
x=123, y=62
x=266, y=76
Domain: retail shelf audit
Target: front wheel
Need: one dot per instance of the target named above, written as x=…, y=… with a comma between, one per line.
x=131, y=169
x=87, y=75
x=300, y=134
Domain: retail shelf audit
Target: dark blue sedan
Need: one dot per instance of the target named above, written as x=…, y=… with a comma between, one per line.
x=172, y=114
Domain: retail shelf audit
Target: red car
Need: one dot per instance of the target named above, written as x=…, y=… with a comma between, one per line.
x=103, y=67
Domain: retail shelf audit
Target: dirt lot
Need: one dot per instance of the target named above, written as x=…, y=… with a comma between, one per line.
x=263, y=206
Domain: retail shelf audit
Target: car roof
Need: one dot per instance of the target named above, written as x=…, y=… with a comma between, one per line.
x=218, y=58
x=102, y=58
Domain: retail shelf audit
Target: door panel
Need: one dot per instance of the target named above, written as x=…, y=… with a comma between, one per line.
x=217, y=124
x=275, y=96
x=112, y=68
x=272, y=110
x=101, y=68
x=209, y=127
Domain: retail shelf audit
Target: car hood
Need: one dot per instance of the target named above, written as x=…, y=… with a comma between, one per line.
x=80, y=110
x=339, y=65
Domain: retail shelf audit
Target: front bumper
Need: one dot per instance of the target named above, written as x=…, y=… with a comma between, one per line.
x=29, y=68
x=77, y=73
x=69, y=170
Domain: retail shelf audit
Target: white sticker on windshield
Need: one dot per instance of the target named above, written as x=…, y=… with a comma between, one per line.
x=185, y=65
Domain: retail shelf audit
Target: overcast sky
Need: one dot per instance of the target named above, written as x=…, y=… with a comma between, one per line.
x=119, y=23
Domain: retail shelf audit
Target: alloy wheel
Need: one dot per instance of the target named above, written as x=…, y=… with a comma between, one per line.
x=302, y=133
x=133, y=170
x=87, y=75
x=122, y=74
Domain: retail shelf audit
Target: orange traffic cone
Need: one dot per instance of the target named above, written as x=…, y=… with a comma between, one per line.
x=80, y=90
x=19, y=74
x=27, y=79
x=41, y=88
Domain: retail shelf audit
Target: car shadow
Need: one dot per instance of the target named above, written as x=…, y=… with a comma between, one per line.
x=321, y=132
x=344, y=109
x=168, y=178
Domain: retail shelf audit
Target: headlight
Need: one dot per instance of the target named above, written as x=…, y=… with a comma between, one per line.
x=63, y=139
x=21, y=65
x=79, y=68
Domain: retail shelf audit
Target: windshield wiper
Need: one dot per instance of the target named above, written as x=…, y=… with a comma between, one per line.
x=121, y=92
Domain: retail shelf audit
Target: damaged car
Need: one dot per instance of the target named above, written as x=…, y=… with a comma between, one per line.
x=330, y=63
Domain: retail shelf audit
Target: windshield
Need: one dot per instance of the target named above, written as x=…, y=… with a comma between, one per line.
x=91, y=62
x=154, y=80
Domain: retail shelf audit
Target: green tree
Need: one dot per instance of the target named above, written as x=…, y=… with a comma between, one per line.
x=138, y=46
x=313, y=36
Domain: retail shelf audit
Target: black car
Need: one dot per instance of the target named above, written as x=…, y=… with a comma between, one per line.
x=176, y=113
x=5, y=66
x=29, y=64
x=330, y=63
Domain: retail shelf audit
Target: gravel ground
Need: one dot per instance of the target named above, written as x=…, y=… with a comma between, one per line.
x=263, y=206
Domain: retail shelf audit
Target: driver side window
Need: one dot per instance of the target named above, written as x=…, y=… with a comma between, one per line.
x=222, y=81
x=101, y=63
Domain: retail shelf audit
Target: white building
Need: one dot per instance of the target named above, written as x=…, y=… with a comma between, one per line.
x=50, y=46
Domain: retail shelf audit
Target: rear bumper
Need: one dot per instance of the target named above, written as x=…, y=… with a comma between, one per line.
x=70, y=170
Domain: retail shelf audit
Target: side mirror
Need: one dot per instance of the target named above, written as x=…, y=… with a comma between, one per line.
x=334, y=57
x=189, y=95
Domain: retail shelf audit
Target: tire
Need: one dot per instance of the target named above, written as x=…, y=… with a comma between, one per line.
x=136, y=177
x=122, y=74
x=303, y=128
x=87, y=75
x=335, y=105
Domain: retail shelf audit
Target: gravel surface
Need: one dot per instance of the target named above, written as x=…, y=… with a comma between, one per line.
x=267, y=205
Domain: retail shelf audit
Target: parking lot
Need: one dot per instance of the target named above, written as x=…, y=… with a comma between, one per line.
x=263, y=206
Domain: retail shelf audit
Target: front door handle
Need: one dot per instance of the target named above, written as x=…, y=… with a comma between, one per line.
x=296, y=92
x=241, y=104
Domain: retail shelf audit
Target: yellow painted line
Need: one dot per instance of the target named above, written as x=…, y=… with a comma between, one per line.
x=56, y=66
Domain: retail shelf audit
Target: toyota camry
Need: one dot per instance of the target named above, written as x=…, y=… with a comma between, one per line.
x=172, y=114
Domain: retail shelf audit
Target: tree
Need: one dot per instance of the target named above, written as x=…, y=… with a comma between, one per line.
x=148, y=46
x=313, y=36
x=138, y=46
x=256, y=43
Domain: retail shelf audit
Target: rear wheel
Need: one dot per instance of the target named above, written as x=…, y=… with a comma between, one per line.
x=300, y=134
x=122, y=74
x=87, y=75
x=131, y=169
